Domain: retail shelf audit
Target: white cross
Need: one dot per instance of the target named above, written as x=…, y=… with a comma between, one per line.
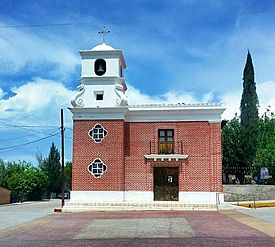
x=104, y=32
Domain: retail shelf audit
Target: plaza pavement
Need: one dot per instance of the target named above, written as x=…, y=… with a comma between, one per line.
x=142, y=228
x=19, y=213
x=265, y=213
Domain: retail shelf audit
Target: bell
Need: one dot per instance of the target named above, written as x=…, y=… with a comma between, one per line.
x=100, y=68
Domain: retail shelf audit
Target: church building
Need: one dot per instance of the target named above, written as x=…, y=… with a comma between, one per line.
x=140, y=153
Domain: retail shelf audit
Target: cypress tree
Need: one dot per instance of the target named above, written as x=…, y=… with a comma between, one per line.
x=249, y=114
x=249, y=101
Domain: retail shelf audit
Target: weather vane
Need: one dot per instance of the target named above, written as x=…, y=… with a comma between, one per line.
x=104, y=32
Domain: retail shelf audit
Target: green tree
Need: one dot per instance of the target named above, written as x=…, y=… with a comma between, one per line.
x=52, y=167
x=15, y=168
x=249, y=115
x=68, y=175
x=3, y=182
x=25, y=181
x=265, y=155
x=231, y=147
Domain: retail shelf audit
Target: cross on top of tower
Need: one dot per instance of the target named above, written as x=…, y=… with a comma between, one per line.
x=104, y=32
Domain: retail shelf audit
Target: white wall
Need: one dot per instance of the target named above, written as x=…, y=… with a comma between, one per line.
x=109, y=96
x=144, y=196
x=200, y=197
x=139, y=196
x=112, y=67
x=97, y=196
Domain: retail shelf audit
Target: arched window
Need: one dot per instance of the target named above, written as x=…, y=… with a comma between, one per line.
x=100, y=67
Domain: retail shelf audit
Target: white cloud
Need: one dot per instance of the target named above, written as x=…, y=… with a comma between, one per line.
x=136, y=97
x=266, y=93
x=231, y=100
x=36, y=102
x=21, y=49
x=266, y=97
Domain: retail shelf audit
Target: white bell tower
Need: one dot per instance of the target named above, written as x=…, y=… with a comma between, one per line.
x=101, y=82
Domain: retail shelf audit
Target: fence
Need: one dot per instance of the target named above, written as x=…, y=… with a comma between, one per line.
x=175, y=147
x=248, y=175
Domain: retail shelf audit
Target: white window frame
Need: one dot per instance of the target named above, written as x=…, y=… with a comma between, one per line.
x=98, y=93
x=97, y=168
x=96, y=134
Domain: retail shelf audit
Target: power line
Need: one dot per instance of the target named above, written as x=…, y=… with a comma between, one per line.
x=30, y=135
x=48, y=25
x=27, y=143
x=30, y=126
x=27, y=127
x=179, y=17
x=17, y=137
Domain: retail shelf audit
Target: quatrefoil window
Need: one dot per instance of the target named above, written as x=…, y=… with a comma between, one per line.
x=98, y=133
x=97, y=168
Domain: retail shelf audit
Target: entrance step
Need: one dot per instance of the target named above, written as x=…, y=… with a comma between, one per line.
x=128, y=206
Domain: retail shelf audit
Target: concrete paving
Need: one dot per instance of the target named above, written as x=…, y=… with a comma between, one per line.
x=136, y=228
x=19, y=213
x=266, y=214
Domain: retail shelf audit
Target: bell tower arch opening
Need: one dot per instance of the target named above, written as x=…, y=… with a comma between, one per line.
x=100, y=67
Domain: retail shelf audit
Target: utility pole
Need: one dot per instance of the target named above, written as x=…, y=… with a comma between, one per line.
x=62, y=159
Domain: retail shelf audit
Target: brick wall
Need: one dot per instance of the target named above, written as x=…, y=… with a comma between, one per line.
x=200, y=140
x=124, y=148
x=110, y=151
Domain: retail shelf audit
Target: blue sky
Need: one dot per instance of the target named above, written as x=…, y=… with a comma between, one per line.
x=175, y=51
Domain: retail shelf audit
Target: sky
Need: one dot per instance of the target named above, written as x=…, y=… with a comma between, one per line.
x=187, y=51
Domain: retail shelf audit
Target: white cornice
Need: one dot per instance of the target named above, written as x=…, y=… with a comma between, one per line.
x=99, y=113
x=175, y=112
x=106, y=80
x=90, y=54
x=210, y=113
x=177, y=106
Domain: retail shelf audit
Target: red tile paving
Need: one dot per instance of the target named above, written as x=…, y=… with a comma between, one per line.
x=210, y=228
x=214, y=229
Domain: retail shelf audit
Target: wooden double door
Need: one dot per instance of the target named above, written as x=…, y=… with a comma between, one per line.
x=166, y=183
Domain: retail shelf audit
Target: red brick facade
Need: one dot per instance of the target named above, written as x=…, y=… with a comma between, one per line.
x=125, y=145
